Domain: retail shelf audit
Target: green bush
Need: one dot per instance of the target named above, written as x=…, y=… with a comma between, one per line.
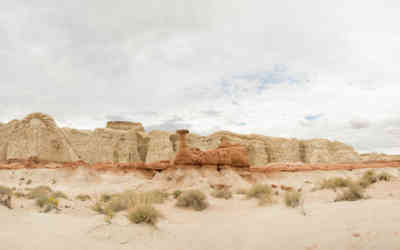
x=47, y=201
x=144, y=214
x=194, y=199
x=292, y=198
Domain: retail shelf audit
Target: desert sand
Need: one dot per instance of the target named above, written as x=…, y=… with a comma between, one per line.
x=234, y=224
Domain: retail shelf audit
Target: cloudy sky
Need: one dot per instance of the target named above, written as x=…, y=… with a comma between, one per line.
x=300, y=69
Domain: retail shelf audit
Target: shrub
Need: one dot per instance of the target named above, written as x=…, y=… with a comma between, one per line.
x=83, y=197
x=354, y=192
x=334, y=183
x=110, y=204
x=262, y=192
x=384, y=177
x=193, y=199
x=59, y=194
x=177, y=193
x=39, y=192
x=241, y=191
x=105, y=197
x=47, y=201
x=368, y=178
x=98, y=207
x=222, y=194
x=144, y=214
x=292, y=198
x=5, y=190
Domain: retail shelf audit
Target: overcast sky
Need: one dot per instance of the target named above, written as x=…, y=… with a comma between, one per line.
x=300, y=69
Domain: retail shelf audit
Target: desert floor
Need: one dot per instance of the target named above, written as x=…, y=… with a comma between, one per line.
x=235, y=224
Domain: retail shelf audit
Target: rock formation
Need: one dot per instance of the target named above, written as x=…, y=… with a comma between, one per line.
x=123, y=125
x=226, y=154
x=126, y=142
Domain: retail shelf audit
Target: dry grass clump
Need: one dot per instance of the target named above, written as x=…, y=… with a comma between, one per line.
x=262, y=192
x=144, y=213
x=334, y=183
x=194, y=199
x=354, y=192
x=370, y=177
x=49, y=202
x=5, y=196
x=83, y=197
x=224, y=193
x=241, y=191
x=111, y=204
x=292, y=198
x=38, y=192
x=45, y=197
x=5, y=190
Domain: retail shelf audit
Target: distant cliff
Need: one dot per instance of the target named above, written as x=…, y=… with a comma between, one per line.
x=38, y=135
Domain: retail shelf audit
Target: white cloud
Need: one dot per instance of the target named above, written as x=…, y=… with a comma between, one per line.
x=258, y=66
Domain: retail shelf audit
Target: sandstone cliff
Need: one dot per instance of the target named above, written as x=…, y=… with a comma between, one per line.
x=125, y=142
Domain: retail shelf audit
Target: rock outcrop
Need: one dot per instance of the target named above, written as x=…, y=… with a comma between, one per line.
x=225, y=154
x=126, y=142
x=122, y=125
x=37, y=136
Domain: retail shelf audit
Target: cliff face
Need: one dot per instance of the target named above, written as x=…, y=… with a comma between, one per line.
x=121, y=142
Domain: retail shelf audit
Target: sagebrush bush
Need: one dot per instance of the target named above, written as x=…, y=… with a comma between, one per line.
x=241, y=191
x=39, y=192
x=5, y=190
x=383, y=176
x=48, y=202
x=292, y=198
x=109, y=204
x=194, y=199
x=334, y=183
x=368, y=178
x=354, y=192
x=144, y=214
x=262, y=192
x=83, y=197
x=222, y=194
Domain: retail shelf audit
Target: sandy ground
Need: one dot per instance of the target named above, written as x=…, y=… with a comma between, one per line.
x=236, y=224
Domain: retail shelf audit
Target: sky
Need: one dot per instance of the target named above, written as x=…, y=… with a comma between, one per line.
x=301, y=69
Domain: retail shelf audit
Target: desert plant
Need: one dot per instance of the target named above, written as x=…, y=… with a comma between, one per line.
x=194, y=199
x=98, y=207
x=354, y=192
x=5, y=190
x=177, y=193
x=334, y=183
x=105, y=197
x=144, y=214
x=368, y=178
x=262, y=192
x=59, y=194
x=241, y=191
x=38, y=192
x=83, y=197
x=292, y=198
x=47, y=201
x=28, y=182
x=222, y=194
x=383, y=176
